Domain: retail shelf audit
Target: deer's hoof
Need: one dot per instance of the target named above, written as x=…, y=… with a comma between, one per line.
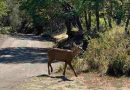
x=76, y=76
x=63, y=74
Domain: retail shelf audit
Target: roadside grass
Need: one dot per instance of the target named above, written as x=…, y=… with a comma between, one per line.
x=95, y=81
x=53, y=82
x=85, y=81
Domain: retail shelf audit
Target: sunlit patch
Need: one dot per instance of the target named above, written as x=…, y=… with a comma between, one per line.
x=8, y=56
x=61, y=36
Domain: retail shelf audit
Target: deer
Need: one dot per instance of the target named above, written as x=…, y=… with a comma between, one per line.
x=63, y=55
x=127, y=47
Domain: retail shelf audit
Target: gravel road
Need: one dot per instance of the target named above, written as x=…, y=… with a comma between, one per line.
x=22, y=57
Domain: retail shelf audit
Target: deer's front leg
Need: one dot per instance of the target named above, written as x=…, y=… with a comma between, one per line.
x=51, y=68
x=72, y=69
x=48, y=68
x=65, y=68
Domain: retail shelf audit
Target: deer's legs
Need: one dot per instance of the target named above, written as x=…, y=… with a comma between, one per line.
x=72, y=69
x=48, y=68
x=65, y=68
x=51, y=68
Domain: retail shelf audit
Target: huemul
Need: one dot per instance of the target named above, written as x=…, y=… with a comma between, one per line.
x=56, y=54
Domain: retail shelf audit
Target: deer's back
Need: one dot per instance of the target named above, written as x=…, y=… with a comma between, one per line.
x=60, y=54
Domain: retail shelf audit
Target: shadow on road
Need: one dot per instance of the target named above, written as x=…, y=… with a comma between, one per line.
x=63, y=78
x=23, y=55
x=33, y=37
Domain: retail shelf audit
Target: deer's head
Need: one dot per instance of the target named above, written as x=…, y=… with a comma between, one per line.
x=76, y=49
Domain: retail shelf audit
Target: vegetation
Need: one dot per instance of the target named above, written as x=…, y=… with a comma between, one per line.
x=101, y=27
x=108, y=54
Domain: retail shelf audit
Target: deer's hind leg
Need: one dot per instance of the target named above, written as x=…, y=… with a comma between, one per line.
x=49, y=67
x=65, y=68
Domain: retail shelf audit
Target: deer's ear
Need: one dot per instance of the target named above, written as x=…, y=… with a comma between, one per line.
x=74, y=44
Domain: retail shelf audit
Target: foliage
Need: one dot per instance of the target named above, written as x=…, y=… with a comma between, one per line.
x=49, y=15
x=44, y=14
x=117, y=64
x=5, y=30
x=107, y=54
x=101, y=22
x=3, y=8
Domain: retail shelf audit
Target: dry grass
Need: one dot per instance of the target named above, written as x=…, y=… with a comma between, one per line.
x=54, y=82
x=60, y=37
x=88, y=81
x=95, y=81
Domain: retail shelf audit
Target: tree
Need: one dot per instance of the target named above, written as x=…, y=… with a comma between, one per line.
x=127, y=8
x=37, y=11
x=3, y=10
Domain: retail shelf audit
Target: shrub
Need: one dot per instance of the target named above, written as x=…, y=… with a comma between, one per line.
x=79, y=64
x=127, y=68
x=107, y=54
x=117, y=64
x=5, y=30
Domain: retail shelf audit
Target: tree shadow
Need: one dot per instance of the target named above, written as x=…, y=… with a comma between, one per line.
x=23, y=55
x=34, y=37
x=63, y=78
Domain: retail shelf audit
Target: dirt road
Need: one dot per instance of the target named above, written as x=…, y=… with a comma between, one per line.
x=22, y=57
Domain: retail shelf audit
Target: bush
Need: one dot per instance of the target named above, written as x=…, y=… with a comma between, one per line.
x=117, y=64
x=5, y=30
x=127, y=68
x=77, y=63
x=107, y=54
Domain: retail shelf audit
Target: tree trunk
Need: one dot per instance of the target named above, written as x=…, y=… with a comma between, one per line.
x=38, y=29
x=110, y=14
x=69, y=27
x=105, y=21
x=85, y=44
x=127, y=24
x=86, y=20
x=109, y=21
x=79, y=25
x=73, y=20
x=97, y=16
x=89, y=20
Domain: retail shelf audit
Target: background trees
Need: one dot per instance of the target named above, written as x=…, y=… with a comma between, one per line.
x=88, y=16
x=96, y=22
x=3, y=11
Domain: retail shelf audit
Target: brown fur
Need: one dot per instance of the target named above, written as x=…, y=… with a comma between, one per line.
x=128, y=48
x=56, y=54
